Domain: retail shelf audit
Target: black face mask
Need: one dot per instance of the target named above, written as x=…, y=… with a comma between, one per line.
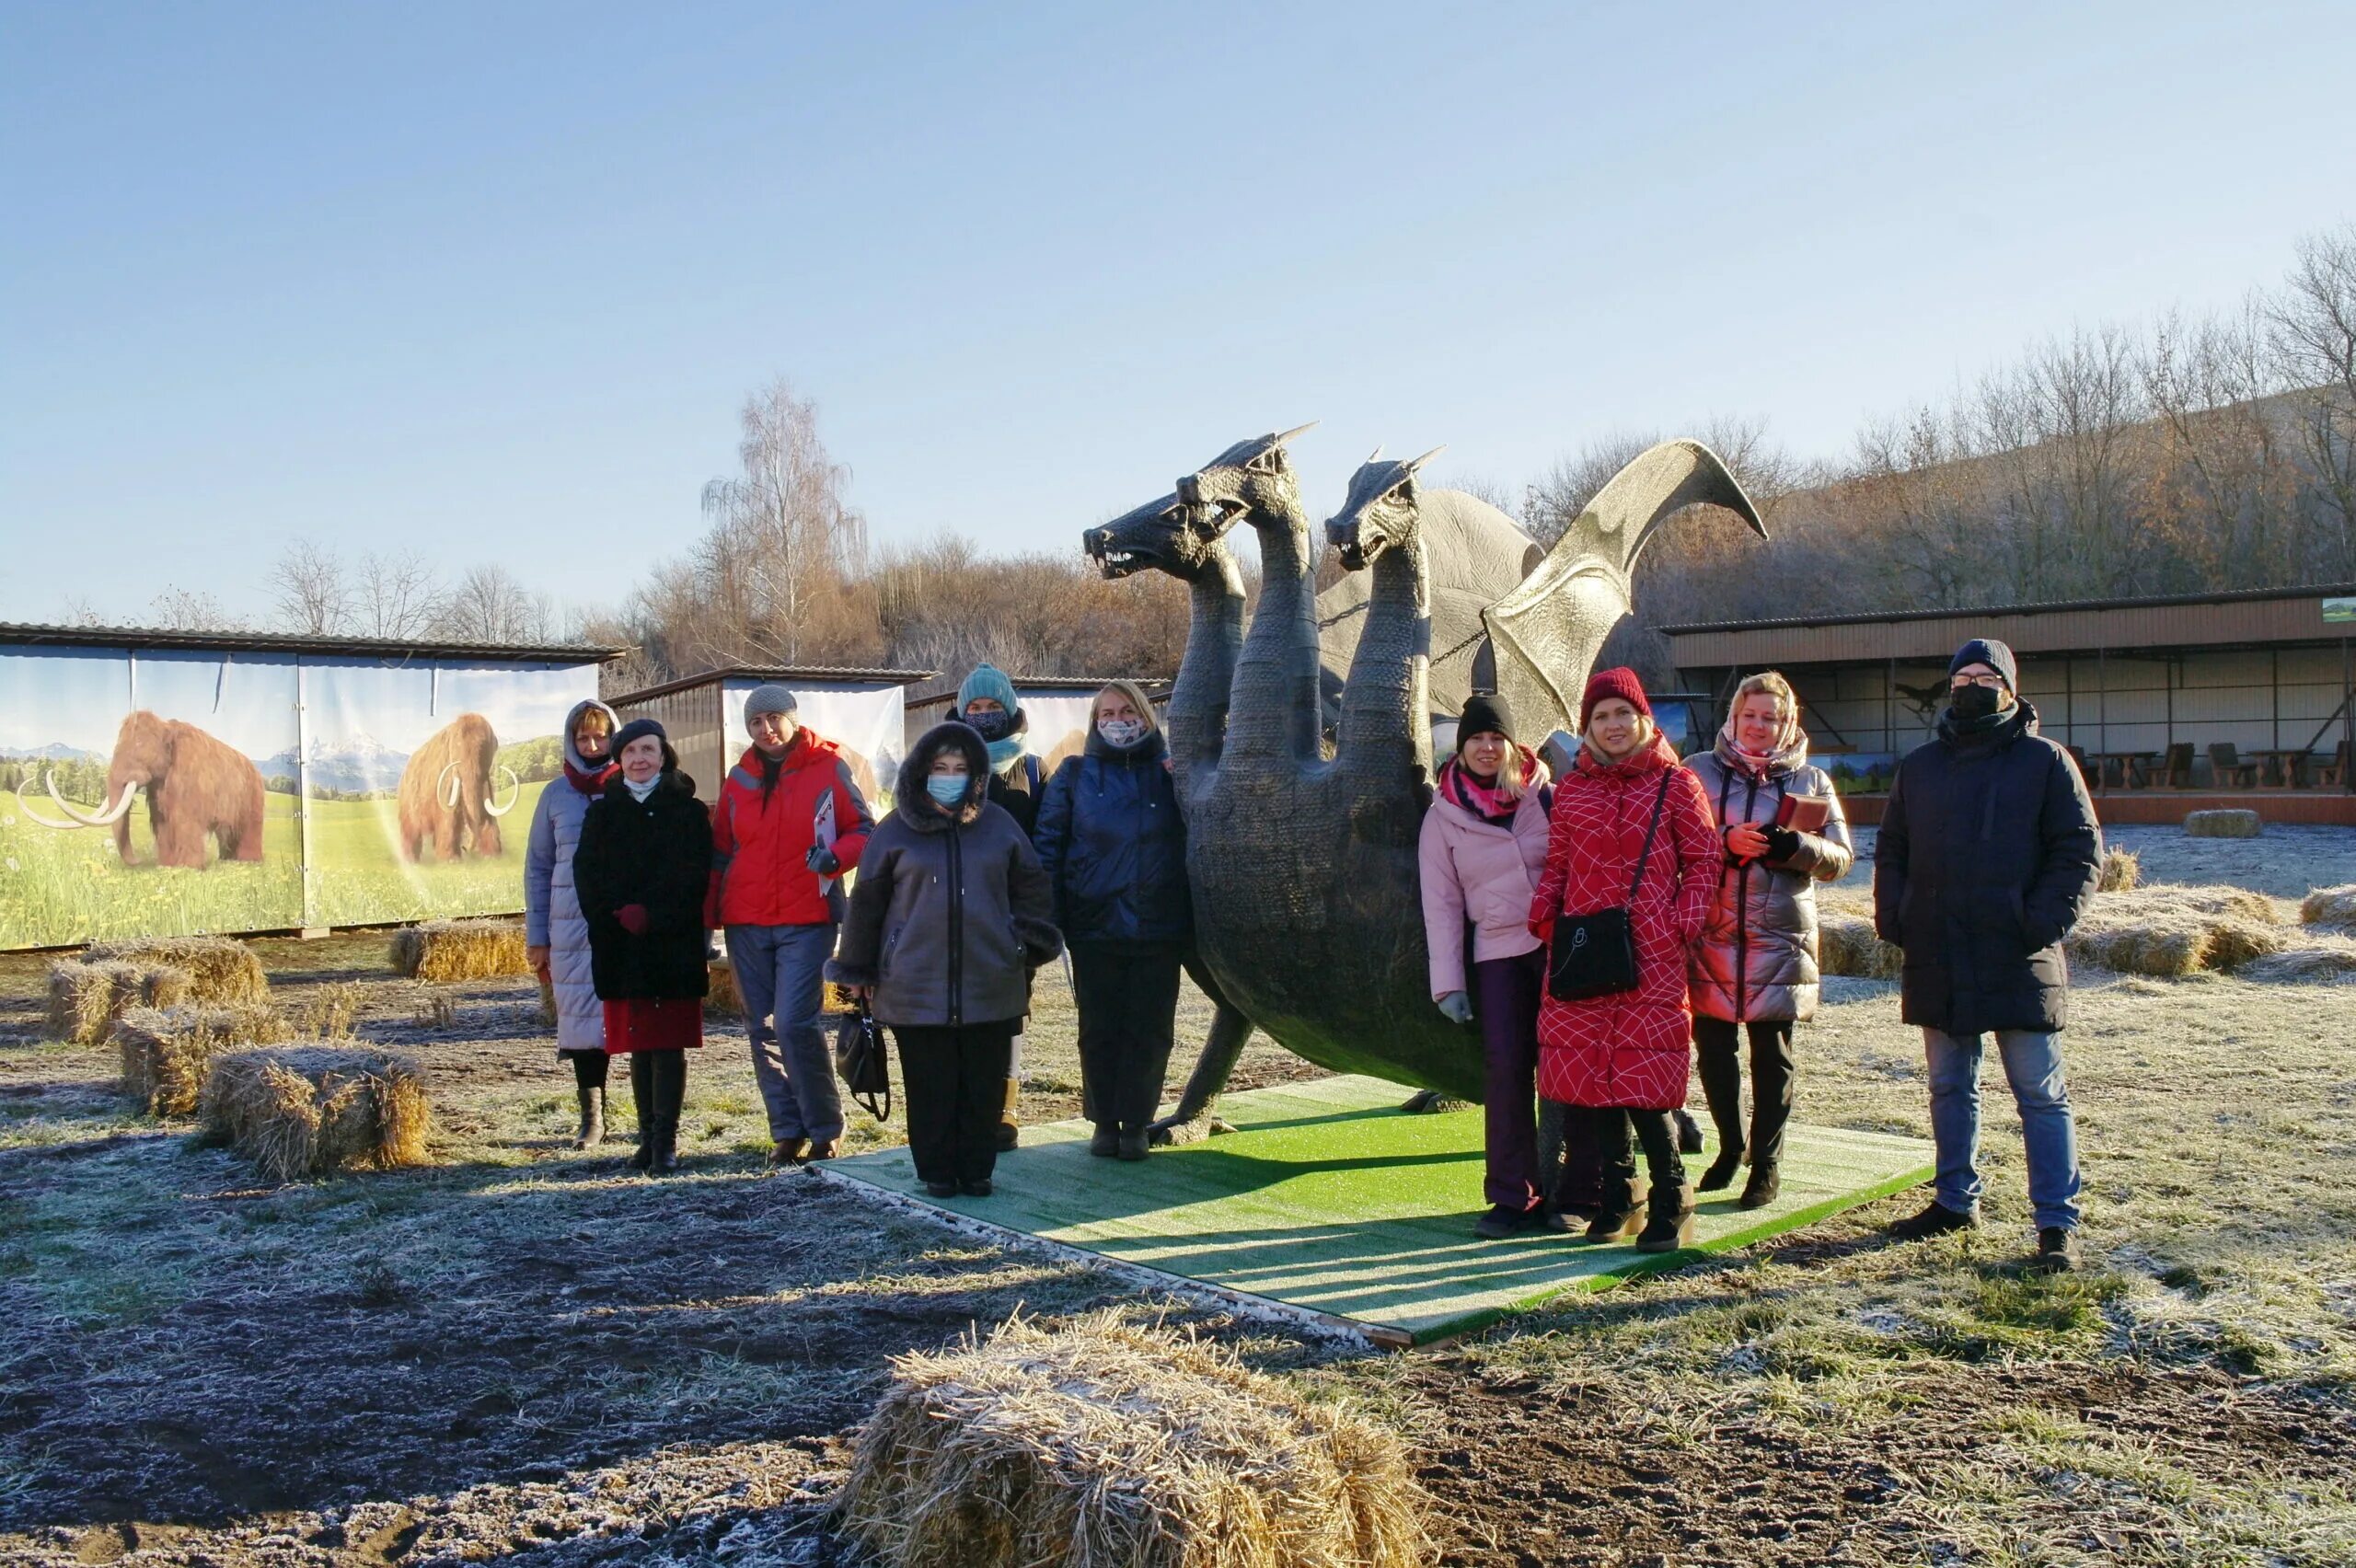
x=1975, y=704
x=991, y=726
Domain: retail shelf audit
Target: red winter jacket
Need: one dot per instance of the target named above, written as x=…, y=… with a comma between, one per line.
x=1629, y=1049
x=760, y=848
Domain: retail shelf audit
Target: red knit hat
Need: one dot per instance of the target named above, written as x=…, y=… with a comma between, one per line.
x=1621, y=682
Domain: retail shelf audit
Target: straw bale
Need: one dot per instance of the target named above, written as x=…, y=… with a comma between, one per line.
x=2223, y=824
x=2170, y=931
x=2331, y=907
x=721, y=1000
x=2122, y=870
x=1103, y=1444
x=305, y=1110
x=165, y=1052
x=2320, y=959
x=219, y=970
x=84, y=999
x=460, y=950
x=1845, y=944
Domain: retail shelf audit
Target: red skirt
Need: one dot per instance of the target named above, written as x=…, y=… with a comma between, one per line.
x=652, y=1024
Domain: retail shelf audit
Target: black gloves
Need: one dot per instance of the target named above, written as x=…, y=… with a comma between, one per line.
x=822, y=861
x=1782, y=843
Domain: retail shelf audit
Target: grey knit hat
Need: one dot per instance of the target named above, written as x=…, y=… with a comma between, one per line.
x=769, y=698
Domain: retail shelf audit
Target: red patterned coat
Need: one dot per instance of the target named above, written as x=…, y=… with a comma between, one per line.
x=1629, y=1049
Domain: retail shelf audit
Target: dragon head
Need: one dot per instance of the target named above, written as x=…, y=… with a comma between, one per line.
x=1250, y=476
x=1164, y=535
x=1381, y=511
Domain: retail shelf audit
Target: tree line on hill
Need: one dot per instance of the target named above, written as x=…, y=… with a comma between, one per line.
x=2195, y=454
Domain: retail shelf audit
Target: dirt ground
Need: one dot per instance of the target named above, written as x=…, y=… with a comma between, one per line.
x=524, y=1348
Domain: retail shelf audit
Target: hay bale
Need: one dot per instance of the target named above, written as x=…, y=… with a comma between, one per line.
x=2234, y=824
x=1845, y=944
x=721, y=1000
x=306, y=1109
x=2331, y=907
x=2122, y=870
x=167, y=1052
x=2320, y=960
x=460, y=950
x=219, y=970
x=1104, y=1443
x=2169, y=933
x=85, y=999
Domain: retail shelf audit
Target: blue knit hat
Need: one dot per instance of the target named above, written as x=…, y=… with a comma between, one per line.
x=1996, y=655
x=988, y=680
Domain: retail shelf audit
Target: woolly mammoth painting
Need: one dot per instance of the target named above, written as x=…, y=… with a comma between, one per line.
x=199, y=792
x=445, y=799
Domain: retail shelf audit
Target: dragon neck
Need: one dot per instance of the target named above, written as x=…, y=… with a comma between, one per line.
x=1274, y=711
x=1386, y=707
x=1198, y=698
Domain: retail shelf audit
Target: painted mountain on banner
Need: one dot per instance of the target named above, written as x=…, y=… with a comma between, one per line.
x=354, y=761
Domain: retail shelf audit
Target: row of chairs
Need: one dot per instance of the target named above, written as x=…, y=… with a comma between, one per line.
x=2226, y=764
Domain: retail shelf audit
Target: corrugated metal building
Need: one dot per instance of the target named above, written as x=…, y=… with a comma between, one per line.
x=861, y=710
x=2129, y=683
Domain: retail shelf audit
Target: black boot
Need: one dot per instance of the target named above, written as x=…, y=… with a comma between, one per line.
x=670, y=1090
x=1764, y=1184
x=1689, y=1133
x=1668, y=1221
x=1623, y=1202
x=665, y=1161
x=1720, y=1175
x=641, y=1099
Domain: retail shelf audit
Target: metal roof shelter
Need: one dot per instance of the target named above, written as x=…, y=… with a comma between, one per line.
x=2263, y=674
x=136, y=637
x=863, y=710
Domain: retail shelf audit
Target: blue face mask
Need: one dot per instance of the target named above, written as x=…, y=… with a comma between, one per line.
x=949, y=788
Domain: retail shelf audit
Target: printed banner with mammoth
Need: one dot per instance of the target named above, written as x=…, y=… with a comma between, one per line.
x=422, y=781
x=146, y=796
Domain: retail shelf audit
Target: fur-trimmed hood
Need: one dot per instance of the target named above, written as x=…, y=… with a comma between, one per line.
x=571, y=727
x=915, y=802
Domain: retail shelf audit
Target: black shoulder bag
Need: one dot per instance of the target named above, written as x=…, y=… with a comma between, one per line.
x=859, y=1057
x=1595, y=955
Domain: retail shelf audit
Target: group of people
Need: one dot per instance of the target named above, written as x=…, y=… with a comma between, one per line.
x=1606, y=931
x=983, y=872
x=1701, y=874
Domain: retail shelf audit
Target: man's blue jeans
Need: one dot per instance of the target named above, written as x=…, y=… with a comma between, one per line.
x=780, y=970
x=2033, y=1065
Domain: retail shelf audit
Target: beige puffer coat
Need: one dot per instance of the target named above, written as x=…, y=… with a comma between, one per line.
x=1756, y=956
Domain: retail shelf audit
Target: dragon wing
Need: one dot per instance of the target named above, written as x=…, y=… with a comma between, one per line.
x=1547, y=631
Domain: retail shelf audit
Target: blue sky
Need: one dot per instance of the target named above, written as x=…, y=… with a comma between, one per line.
x=492, y=280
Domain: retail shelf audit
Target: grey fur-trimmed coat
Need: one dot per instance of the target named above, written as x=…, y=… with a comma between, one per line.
x=552, y=916
x=1756, y=957
x=951, y=911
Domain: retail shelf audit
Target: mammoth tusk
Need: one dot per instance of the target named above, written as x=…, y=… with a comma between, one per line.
x=79, y=818
x=31, y=816
x=513, y=783
x=449, y=796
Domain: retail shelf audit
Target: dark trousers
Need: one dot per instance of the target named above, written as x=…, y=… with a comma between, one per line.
x=588, y=1068
x=1607, y=1130
x=1505, y=1001
x=1717, y=1051
x=954, y=1079
x=1129, y=1012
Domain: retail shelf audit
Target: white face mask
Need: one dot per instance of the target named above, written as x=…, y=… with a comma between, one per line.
x=1122, y=733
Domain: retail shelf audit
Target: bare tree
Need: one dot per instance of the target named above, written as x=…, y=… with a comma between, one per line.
x=490, y=605
x=2313, y=321
x=182, y=609
x=313, y=597
x=396, y=596
x=783, y=538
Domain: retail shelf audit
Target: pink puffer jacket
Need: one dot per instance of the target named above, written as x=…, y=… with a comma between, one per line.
x=1475, y=871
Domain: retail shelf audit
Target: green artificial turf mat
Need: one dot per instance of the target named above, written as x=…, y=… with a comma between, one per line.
x=1329, y=1197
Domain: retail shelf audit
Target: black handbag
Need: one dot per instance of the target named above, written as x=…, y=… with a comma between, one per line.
x=1595, y=955
x=859, y=1058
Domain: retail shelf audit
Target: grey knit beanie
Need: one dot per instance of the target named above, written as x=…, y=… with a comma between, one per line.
x=769, y=698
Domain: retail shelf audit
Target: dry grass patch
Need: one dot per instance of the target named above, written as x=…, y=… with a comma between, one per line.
x=2122, y=870
x=85, y=999
x=2318, y=959
x=167, y=1052
x=2223, y=824
x=1846, y=945
x=2332, y=907
x=460, y=950
x=326, y=1013
x=2170, y=932
x=1104, y=1443
x=306, y=1109
x=219, y=970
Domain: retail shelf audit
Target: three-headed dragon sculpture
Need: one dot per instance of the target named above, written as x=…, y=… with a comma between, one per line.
x=1301, y=856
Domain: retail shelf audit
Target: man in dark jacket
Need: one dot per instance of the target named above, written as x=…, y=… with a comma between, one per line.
x=1987, y=854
